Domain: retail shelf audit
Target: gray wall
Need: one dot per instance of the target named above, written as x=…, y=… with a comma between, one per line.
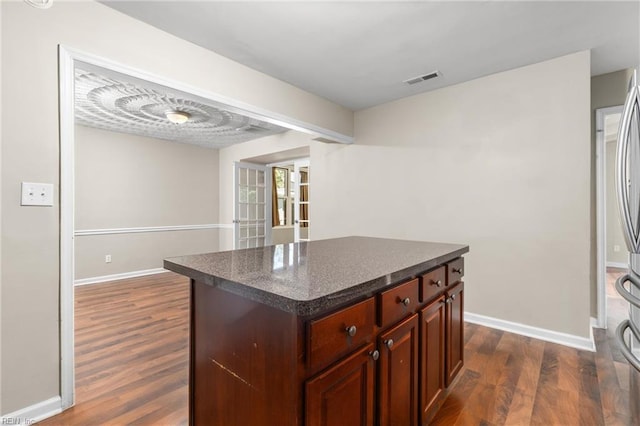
x=282, y=235
x=483, y=163
x=606, y=90
x=126, y=181
x=30, y=284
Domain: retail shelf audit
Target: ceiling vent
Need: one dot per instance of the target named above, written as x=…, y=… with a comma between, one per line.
x=421, y=78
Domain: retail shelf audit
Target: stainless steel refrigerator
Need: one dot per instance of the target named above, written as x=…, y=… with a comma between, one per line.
x=628, y=190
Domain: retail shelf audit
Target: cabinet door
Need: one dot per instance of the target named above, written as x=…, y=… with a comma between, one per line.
x=344, y=393
x=432, y=320
x=454, y=331
x=398, y=372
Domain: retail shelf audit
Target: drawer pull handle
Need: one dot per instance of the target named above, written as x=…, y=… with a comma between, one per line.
x=406, y=301
x=436, y=283
x=375, y=355
x=351, y=331
x=458, y=270
x=389, y=343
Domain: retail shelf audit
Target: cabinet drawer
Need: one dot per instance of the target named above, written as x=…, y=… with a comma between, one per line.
x=397, y=303
x=455, y=271
x=432, y=284
x=339, y=333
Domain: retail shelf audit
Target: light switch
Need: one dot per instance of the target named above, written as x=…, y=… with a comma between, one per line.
x=37, y=194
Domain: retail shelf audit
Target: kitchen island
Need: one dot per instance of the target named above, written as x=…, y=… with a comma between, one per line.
x=346, y=331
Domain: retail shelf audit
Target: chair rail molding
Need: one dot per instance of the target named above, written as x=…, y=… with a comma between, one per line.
x=144, y=229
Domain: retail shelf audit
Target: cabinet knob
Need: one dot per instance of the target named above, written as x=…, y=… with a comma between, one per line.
x=389, y=343
x=351, y=331
x=375, y=355
x=436, y=283
x=453, y=297
x=458, y=270
x=406, y=301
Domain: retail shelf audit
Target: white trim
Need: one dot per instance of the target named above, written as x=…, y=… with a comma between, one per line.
x=237, y=165
x=121, y=276
x=306, y=162
x=67, y=225
x=33, y=413
x=230, y=104
x=288, y=162
x=601, y=215
x=535, y=332
x=141, y=229
x=620, y=265
x=67, y=59
x=593, y=322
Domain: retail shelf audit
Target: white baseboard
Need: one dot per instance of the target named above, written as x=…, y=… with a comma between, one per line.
x=122, y=276
x=33, y=413
x=620, y=265
x=596, y=324
x=535, y=332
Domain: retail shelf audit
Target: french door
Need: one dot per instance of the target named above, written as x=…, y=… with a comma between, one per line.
x=301, y=200
x=252, y=208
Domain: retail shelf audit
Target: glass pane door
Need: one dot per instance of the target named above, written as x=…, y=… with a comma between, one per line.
x=251, y=205
x=301, y=211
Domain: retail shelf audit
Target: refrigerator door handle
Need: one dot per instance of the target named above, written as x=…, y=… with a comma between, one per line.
x=626, y=294
x=631, y=105
x=626, y=352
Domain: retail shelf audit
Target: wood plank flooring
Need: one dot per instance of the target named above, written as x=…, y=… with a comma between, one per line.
x=515, y=380
x=131, y=353
x=131, y=367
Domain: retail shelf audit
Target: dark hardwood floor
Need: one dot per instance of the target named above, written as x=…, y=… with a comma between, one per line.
x=514, y=380
x=131, y=366
x=131, y=353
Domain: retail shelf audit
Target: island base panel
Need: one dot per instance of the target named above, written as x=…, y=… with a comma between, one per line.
x=243, y=368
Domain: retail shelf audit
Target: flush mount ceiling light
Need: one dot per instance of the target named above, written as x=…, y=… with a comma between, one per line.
x=177, y=117
x=40, y=4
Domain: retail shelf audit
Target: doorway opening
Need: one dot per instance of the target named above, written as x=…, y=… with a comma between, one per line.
x=612, y=256
x=290, y=222
x=69, y=60
x=271, y=201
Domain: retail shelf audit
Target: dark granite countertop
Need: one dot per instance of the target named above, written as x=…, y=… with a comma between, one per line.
x=311, y=277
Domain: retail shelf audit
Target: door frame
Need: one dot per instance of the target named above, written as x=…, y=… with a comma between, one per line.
x=601, y=215
x=305, y=162
x=296, y=163
x=67, y=59
x=267, y=200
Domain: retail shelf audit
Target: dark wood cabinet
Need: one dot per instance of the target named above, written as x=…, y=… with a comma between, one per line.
x=432, y=284
x=344, y=393
x=338, y=334
x=397, y=303
x=432, y=363
x=383, y=359
x=454, y=331
x=398, y=374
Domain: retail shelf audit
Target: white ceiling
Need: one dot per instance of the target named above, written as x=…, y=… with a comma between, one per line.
x=111, y=101
x=358, y=54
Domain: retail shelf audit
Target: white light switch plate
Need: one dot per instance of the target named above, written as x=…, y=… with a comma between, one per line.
x=37, y=194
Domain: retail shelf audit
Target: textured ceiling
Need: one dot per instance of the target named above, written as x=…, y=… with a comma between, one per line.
x=358, y=53
x=111, y=103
